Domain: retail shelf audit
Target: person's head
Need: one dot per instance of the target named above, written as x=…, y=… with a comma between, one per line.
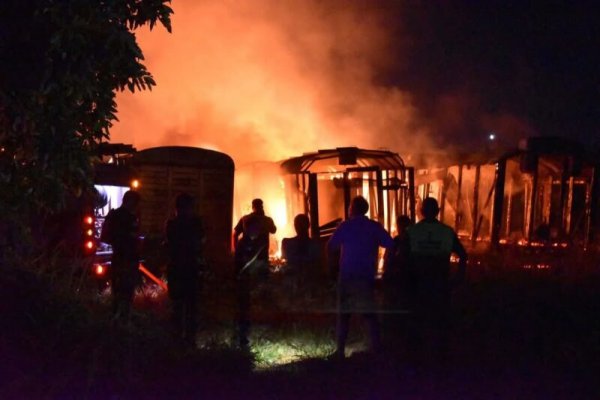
x=430, y=208
x=184, y=204
x=358, y=206
x=301, y=224
x=402, y=222
x=131, y=200
x=257, y=206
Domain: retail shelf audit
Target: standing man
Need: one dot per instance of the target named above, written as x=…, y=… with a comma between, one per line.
x=185, y=235
x=359, y=239
x=398, y=281
x=251, y=245
x=431, y=244
x=121, y=231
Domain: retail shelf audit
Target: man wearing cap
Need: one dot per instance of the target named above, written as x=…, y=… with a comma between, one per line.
x=431, y=244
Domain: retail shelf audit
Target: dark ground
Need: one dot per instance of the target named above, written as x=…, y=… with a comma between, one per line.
x=515, y=334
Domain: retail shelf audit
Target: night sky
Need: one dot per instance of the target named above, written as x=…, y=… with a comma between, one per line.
x=470, y=67
x=537, y=61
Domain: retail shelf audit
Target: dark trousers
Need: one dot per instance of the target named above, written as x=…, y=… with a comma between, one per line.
x=185, y=311
x=184, y=290
x=430, y=321
x=356, y=297
x=243, y=308
x=124, y=279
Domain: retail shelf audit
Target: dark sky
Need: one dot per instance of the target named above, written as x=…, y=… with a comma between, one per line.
x=537, y=61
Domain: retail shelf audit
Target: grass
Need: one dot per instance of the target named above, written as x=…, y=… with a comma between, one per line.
x=515, y=334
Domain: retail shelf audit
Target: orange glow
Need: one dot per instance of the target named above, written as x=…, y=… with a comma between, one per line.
x=266, y=80
x=90, y=232
x=99, y=269
x=135, y=184
x=89, y=245
x=152, y=277
x=88, y=220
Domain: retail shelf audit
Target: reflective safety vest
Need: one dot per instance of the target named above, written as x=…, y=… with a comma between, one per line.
x=431, y=239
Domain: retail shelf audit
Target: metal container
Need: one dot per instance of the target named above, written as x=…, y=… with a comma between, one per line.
x=165, y=172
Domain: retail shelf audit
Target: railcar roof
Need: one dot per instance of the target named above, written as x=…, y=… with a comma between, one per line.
x=342, y=158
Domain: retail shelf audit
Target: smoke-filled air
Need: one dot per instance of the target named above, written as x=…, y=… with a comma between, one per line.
x=266, y=80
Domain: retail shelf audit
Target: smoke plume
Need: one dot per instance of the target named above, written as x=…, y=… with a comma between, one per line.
x=266, y=79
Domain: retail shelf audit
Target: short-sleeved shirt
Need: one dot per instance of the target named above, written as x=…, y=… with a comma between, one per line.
x=359, y=239
x=256, y=228
x=184, y=242
x=300, y=252
x=432, y=243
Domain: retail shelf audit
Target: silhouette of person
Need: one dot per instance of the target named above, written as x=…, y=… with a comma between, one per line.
x=431, y=244
x=359, y=239
x=251, y=244
x=185, y=235
x=121, y=231
x=301, y=252
x=398, y=278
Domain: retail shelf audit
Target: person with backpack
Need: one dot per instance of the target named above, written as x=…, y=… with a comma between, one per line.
x=251, y=253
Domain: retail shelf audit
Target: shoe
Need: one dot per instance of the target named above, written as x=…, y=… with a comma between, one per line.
x=336, y=356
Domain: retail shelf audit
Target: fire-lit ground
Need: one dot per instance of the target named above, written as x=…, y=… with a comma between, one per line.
x=515, y=334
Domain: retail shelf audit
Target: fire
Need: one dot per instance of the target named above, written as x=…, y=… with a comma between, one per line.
x=266, y=80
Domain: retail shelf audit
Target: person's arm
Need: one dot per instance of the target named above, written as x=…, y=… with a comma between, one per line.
x=284, y=248
x=460, y=251
x=385, y=240
x=272, y=228
x=333, y=247
x=237, y=231
x=335, y=243
x=388, y=258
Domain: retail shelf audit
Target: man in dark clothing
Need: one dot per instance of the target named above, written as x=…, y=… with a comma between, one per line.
x=301, y=252
x=121, y=231
x=251, y=255
x=185, y=234
x=431, y=244
x=359, y=239
x=398, y=280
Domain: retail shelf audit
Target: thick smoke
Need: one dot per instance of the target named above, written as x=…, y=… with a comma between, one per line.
x=268, y=79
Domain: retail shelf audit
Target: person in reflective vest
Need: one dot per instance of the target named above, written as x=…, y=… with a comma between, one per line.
x=431, y=245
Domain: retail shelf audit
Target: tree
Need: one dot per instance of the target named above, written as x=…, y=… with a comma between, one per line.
x=61, y=63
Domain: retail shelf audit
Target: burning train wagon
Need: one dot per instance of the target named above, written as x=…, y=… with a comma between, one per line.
x=321, y=184
x=160, y=174
x=544, y=195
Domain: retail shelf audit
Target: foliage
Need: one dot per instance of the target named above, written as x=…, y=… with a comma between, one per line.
x=62, y=62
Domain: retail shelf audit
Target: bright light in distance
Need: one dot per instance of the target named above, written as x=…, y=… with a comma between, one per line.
x=99, y=269
x=135, y=184
x=90, y=232
x=88, y=220
x=89, y=244
x=492, y=136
